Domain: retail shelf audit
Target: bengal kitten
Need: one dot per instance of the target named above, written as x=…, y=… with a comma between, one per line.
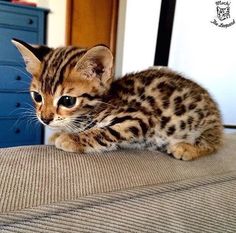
x=75, y=93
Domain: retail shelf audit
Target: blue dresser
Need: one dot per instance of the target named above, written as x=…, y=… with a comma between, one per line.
x=17, y=123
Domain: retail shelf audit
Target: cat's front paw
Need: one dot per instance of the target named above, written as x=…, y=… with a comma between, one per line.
x=66, y=142
x=53, y=137
x=183, y=151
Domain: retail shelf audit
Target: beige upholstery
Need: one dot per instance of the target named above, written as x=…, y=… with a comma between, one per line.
x=43, y=189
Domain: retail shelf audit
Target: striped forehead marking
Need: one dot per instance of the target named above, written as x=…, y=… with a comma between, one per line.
x=55, y=65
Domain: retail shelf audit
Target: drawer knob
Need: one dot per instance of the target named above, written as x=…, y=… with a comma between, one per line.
x=30, y=21
x=18, y=77
x=17, y=131
x=18, y=105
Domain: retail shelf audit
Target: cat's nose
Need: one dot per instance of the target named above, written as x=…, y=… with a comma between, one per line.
x=46, y=120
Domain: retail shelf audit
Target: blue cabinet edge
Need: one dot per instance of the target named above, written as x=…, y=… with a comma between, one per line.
x=4, y=3
x=42, y=12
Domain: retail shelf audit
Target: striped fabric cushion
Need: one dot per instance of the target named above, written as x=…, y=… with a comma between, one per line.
x=43, y=189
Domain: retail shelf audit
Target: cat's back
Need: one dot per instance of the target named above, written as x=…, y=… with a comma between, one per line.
x=162, y=87
x=178, y=103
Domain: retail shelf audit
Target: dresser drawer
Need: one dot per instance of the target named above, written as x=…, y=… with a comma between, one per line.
x=8, y=52
x=16, y=104
x=14, y=78
x=15, y=132
x=18, y=20
x=17, y=126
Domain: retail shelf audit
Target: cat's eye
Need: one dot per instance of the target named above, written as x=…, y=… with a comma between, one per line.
x=67, y=101
x=36, y=96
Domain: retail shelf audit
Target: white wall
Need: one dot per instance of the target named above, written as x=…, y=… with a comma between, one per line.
x=206, y=52
x=56, y=29
x=137, y=33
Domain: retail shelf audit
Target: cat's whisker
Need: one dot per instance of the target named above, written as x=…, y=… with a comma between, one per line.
x=22, y=81
x=76, y=120
x=86, y=126
x=22, y=91
x=72, y=127
x=32, y=122
x=15, y=123
x=22, y=112
x=106, y=103
x=29, y=113
x=24, y=72
x=69, y=128
x=30, y=105
x=21, y=109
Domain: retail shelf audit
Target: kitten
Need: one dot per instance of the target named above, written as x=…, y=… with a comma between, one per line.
x=157, y=109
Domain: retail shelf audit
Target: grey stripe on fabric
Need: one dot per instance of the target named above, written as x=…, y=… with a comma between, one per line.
x=40, y=175
x=43, y=189
x=175, y=207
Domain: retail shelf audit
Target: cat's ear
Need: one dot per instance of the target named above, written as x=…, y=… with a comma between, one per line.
x=97, y=62
x=31, y=54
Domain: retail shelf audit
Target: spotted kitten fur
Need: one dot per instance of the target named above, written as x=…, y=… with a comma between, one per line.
x=158, y=109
